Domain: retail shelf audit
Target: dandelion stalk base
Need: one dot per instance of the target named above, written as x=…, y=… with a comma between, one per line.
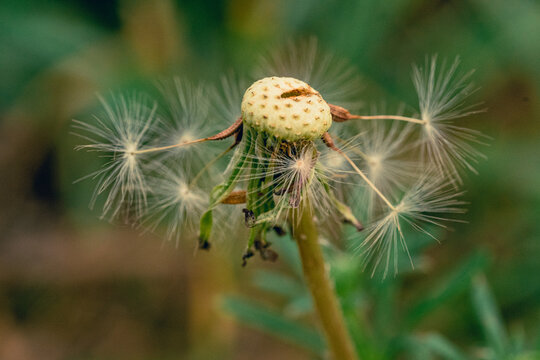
x=322, y=289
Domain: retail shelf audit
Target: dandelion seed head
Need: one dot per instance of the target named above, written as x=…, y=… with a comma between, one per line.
x=286, y=108
x=157, y=166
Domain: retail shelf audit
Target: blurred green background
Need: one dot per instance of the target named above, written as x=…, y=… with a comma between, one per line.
x=75, y=287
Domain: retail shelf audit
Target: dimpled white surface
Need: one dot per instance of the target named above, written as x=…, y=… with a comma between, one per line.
x=287, y=108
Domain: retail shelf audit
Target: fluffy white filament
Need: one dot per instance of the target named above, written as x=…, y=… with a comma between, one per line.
x=119, y=134
x=442, y=94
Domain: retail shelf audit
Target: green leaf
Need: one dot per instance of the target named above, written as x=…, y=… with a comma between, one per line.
x=205, y=227
x=490, y=318
x=440, y=346
x=272, y=322
x=455, y=283
x=300, y=306
x=527, y=356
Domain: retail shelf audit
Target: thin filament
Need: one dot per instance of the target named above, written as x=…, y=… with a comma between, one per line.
x=161, y=148
x=208, y=165
x=366, y=179
x=230, y=131
x=388, y=117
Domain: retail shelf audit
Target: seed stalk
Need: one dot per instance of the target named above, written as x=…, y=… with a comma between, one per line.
x=321, y=287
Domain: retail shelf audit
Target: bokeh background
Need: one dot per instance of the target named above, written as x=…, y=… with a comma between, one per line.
x=75, y=287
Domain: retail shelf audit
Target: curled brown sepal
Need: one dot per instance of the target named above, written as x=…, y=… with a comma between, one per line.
x=340, y=114
x=358, y=225
x=235, y=128
x=328, y=141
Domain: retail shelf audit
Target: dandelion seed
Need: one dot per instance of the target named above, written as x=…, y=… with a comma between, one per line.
x=293, y=176
x=384, y=156
x=429, y=201
x=184, y=120
x=442, y=98
x=175, y=202
x=120, y=135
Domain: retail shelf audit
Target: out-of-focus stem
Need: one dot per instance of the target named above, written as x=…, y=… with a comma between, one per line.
x=321, y=288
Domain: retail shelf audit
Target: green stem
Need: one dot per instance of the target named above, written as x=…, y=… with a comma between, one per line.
x=322, y=289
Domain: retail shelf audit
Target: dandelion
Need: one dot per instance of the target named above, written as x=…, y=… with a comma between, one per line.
x=288, y=170
x=278, y=156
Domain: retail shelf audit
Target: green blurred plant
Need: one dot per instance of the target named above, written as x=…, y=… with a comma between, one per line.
x=382, y=323
x=496, y=34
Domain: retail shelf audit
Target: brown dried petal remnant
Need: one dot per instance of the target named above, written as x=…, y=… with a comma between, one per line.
x=235, y=197
x=297, y=92
x=339, y=114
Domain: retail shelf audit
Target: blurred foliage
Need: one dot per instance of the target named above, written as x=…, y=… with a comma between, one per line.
x=72, y=288
x=385, y=320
